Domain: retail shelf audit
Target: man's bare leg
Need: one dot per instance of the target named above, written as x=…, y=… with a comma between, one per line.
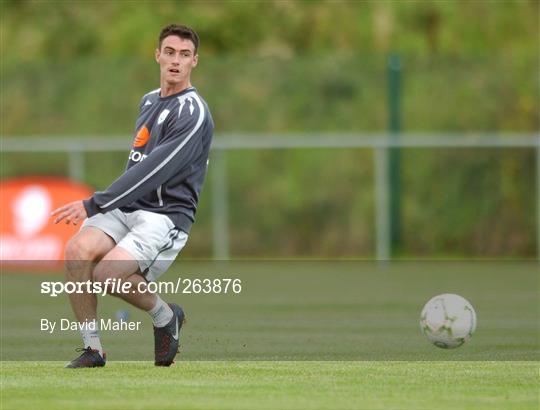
x=119, y=264
x=81, y=255
x=167, y=319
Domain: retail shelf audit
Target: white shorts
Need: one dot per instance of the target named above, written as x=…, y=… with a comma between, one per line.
x=151, y=238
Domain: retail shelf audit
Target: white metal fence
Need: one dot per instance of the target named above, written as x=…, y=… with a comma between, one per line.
x=75, y=148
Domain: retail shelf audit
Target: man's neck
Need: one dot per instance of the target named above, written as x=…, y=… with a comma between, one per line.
x=167, y=89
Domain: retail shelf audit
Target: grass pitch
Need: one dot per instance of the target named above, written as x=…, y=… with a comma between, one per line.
x=298, y=311
x=273, y=385
x=310, y=335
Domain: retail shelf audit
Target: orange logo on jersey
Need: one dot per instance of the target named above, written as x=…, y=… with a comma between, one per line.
x=142, y=137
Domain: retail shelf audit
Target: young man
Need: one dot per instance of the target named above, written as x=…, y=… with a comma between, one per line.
x=137, y=226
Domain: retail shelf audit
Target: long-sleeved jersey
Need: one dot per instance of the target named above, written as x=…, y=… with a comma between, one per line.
x=168, y=161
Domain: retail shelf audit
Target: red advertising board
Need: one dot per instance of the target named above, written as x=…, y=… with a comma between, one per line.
x=27, y=232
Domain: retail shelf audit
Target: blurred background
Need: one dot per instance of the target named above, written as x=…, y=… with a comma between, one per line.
x=414, y=124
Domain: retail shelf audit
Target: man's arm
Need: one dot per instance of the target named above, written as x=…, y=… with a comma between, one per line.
x=163, y=163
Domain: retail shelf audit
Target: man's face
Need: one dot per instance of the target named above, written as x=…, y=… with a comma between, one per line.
x=176, y=59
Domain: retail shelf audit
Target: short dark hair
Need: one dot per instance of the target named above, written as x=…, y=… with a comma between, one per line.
x=181, y=31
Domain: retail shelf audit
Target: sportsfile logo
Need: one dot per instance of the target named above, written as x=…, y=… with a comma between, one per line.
x=118, y=286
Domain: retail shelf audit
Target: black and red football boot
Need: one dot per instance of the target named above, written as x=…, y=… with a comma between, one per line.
x=89, y=358
x=167, y=338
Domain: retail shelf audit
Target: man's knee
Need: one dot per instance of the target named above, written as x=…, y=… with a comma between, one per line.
x=82, y=252
x=90, y=244
x=79, y=249
x=78, y=259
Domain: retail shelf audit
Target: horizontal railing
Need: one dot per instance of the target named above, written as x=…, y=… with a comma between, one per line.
x=76, y=146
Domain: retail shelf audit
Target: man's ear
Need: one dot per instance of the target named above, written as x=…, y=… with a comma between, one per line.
x=195, y=61
x=158, y=53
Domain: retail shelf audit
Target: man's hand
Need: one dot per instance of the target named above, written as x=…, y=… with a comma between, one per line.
x=72, y=212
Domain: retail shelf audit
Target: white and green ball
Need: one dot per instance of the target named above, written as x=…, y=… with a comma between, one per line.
x=448, y=320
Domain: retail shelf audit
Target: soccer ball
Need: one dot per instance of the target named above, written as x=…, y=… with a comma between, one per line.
x=448, y=320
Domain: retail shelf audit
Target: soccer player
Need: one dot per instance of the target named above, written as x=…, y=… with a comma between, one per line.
x=138, y=225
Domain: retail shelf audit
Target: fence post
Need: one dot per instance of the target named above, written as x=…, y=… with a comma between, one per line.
x=220, y=209
x=394, y=120
x=382, y=204
x=538, y=199
x=76, y=165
